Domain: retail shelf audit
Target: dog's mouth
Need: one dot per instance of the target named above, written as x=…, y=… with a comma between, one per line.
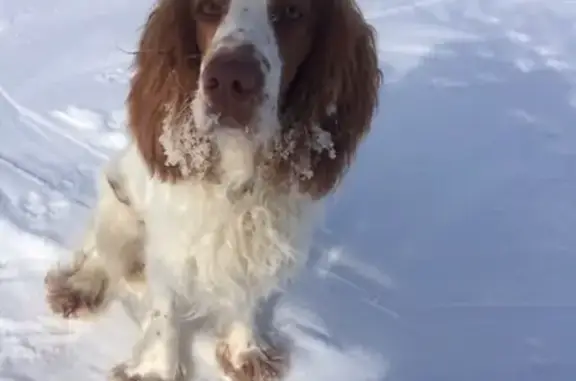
x=259, y=129
x=229, y=122
x=209, y=122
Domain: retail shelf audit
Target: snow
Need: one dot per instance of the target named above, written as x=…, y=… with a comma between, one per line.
x=447, y=255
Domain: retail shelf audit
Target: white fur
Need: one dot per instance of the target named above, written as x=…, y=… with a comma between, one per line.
x=198, y=236
x=157, y=352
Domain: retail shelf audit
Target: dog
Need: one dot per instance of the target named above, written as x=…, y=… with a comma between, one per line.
x=244, y=115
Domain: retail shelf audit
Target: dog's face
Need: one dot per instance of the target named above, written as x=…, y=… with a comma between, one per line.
x=295, y=79
x=251, y=51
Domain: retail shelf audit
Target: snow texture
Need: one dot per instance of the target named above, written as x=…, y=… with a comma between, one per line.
x=447, y=255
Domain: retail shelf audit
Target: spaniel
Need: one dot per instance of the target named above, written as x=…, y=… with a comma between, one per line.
x=244, y=115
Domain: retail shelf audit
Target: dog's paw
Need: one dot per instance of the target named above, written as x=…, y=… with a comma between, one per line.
x=121, y=373
x=255, y=365
x=75, y=293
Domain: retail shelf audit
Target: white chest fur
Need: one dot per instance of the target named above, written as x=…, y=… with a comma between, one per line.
x=220, y=251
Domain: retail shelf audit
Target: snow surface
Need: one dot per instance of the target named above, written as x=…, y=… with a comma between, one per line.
x=448, y=255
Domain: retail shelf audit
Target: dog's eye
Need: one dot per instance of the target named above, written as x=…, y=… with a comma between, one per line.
x=292, y=12
x=212, y=9
x=286, y=13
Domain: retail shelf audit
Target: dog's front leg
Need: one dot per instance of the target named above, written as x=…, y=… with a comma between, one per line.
x=112, y=249
x=155, y=355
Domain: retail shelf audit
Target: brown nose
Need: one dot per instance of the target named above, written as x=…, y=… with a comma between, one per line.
x=233, y=81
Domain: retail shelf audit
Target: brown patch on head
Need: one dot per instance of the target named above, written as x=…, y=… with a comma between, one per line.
x=334, y=89
x=295, y=22
x=207, y=15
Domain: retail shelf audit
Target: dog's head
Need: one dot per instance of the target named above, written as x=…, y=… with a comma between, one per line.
x=225, y=83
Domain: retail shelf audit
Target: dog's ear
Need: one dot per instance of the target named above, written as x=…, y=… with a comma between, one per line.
x=166, y=74
x=337, y=90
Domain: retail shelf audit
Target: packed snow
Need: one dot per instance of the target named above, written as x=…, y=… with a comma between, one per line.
x=449, y=253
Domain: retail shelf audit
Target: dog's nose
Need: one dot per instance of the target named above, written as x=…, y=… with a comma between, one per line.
x=233, y=82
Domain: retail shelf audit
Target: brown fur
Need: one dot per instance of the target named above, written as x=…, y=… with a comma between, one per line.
x=167, y=67
x=339, y=69
x=343, y=72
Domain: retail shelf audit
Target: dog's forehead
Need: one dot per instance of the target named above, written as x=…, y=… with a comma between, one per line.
x=249, y=6
x=246, y=20
x=261, y=8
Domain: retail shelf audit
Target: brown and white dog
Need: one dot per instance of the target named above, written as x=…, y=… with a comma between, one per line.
x=244, y=115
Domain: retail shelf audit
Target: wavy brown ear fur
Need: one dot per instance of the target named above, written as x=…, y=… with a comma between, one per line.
x=167, y=66
x=337, y=86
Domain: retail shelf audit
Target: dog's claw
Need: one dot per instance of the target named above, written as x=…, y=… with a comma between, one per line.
x=257, y=365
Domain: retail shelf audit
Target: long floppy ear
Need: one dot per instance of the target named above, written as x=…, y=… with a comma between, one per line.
x=336, y=88
x=166, y=73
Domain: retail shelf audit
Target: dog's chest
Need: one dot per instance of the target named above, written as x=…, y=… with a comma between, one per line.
x=233, y=247
x=187, y=220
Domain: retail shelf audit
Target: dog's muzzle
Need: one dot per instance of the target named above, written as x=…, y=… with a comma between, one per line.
x=233, y=84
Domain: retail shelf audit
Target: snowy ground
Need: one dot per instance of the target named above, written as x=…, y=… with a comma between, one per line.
x=448, y=255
